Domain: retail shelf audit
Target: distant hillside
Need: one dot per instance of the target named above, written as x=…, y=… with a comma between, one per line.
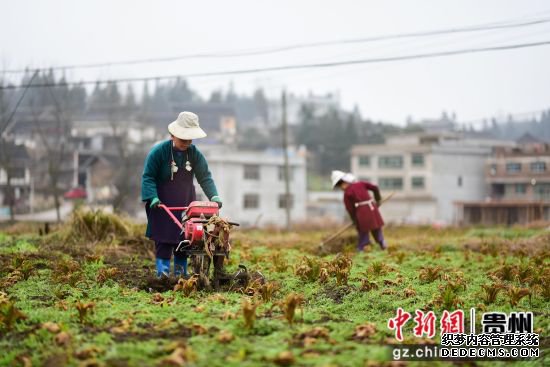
x=514, y=129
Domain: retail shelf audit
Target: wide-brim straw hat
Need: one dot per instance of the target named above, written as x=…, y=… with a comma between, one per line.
x=337, y=176
x=186, y=127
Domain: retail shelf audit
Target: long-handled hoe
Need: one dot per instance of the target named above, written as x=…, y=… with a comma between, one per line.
x=348, y=226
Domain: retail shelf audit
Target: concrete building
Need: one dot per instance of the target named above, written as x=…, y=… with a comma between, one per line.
x=427, y=173
x=251, y=185
x=18, y=161
x=328, y=205
x=95, y=172
x=97, y=135
x=518, y=186
x=441, y=125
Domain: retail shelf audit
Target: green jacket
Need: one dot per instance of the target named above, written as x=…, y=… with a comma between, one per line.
x=157, y=170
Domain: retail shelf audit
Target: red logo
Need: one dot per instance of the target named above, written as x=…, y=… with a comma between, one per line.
x=425, y=324
x=452, y=322
x=398, y=322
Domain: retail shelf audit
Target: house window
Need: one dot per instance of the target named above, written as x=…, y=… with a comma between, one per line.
x=459, y=181
x=251, y=172
x=251, y=201
x=283, y=201
x=390, y=183
x=513, y=167
x=17, y=172
x=364, y=160
x=493, y=169
x=417, y=182
x=538, y=166
x=282, y=173
x=521, y=188
x=390, y=161
x=542, y=191
x=417, y=159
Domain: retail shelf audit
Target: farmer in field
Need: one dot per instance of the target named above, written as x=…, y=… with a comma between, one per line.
x=168, y=178
x=362, y=208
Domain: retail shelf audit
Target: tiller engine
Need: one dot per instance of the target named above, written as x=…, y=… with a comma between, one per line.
x=204, y=238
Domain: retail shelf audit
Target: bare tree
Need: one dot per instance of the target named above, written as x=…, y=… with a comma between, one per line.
x=126, y=180
x=6, y=123
x=54, y=144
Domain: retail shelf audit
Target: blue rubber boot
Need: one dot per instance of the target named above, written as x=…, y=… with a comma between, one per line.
x=180, y=264
x=163, y=267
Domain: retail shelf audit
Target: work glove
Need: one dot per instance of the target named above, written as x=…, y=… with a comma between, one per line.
x=154, y=203
x=216, y=199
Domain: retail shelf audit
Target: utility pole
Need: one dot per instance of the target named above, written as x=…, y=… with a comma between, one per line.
x=286, y=167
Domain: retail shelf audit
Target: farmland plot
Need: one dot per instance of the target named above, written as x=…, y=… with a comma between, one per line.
x=87, y=295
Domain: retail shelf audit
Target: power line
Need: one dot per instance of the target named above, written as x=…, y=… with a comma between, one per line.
x=7, y=126
x=463, y=37
x=292, y=67
x=242, y=53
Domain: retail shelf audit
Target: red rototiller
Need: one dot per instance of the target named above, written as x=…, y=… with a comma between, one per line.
x=204, y=238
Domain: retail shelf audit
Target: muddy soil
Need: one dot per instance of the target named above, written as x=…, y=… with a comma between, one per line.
x=336, y=293
x=344, y=243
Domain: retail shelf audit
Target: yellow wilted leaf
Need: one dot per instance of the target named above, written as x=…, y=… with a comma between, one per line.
x=285, y=358
x=123, y=327
x=290, y=304
x=199, y=309
x=225, y=336
x=165, y=323
x=249, y=313
x=62, y=305
x=364, y=331
x=63, y=338
x=181, y=354
x=199, y=329
x=228, y=315
x=87, y=353
x=157, y=298
x=52, y=327
x=217, y=297
x=177, y=358
x=24, y=361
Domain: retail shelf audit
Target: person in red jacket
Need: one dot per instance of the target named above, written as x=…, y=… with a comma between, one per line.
x=362, y=208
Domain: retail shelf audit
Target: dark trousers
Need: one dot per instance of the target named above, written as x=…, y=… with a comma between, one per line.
x=164, y=250
x=364, y=238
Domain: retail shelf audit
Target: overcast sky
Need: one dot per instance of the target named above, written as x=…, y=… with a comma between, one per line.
x=42, y=33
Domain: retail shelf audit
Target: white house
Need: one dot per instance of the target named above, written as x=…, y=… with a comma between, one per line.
x=95, y=130
x=327, y=205
x=252, y=187
x=426, y=172
x=20, y=180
